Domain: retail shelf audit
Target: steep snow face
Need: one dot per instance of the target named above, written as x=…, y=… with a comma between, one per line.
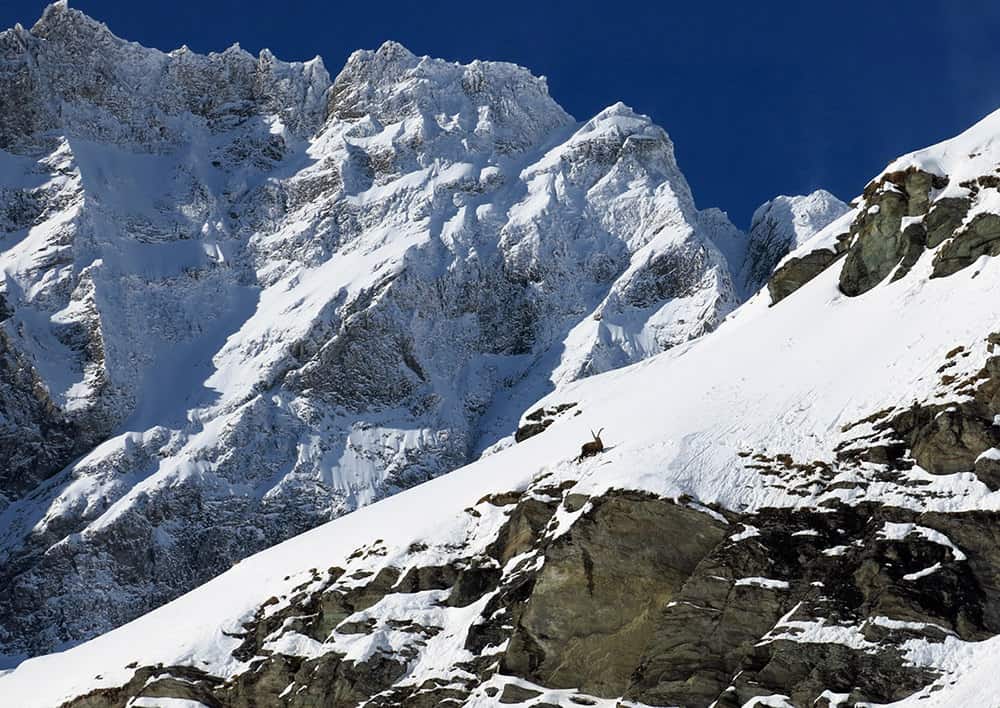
x=824, y=406
x=675, y=284
x=239, y=299
x=778, y=227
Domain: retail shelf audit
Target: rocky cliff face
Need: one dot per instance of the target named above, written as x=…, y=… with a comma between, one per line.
x=239, y=298
x=642, y=599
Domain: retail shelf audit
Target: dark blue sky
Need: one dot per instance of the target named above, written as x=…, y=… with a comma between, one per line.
x=761, y=98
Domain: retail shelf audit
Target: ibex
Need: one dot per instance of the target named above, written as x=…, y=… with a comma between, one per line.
x=590, y=449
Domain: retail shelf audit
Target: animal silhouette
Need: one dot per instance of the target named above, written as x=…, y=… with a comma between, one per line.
x=593, y=447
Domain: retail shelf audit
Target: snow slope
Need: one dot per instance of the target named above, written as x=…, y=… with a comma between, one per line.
x=789, y=379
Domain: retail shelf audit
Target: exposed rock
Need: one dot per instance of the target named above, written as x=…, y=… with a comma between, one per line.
x=711, y=638
x=943, y=438
x=943, y=219
x=538, y=420
x=901, y=217
x=798, y=271
x=182, y=682
x=512, y=693
x=981, y=237
x=953, y=440
x=646, y=599
x=36, y=438
x=878, y=242
x=595, y=601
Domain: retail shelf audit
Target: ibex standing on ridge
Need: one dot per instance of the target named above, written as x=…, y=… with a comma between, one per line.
x=590, y=449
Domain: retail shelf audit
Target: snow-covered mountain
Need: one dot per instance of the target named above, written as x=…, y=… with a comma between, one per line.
x=239, y=298
x=778, y=227
x=798, y=509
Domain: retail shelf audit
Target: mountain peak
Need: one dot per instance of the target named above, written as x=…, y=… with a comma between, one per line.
x=392, y=50
x=619, y=108
x=60, y=19
x=265, y=220
x=386, y=63
x=804, y=209
x=448, y=99
x=55, y=11
x=779, y=226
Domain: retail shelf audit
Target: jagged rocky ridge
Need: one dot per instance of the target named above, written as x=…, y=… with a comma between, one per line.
x=813, y=527
x=239, y=298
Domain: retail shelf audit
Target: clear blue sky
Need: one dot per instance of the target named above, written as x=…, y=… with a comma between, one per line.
x=761, y=98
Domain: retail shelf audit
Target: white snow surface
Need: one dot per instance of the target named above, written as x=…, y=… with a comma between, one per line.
x=896, y=532
x=759, y=582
